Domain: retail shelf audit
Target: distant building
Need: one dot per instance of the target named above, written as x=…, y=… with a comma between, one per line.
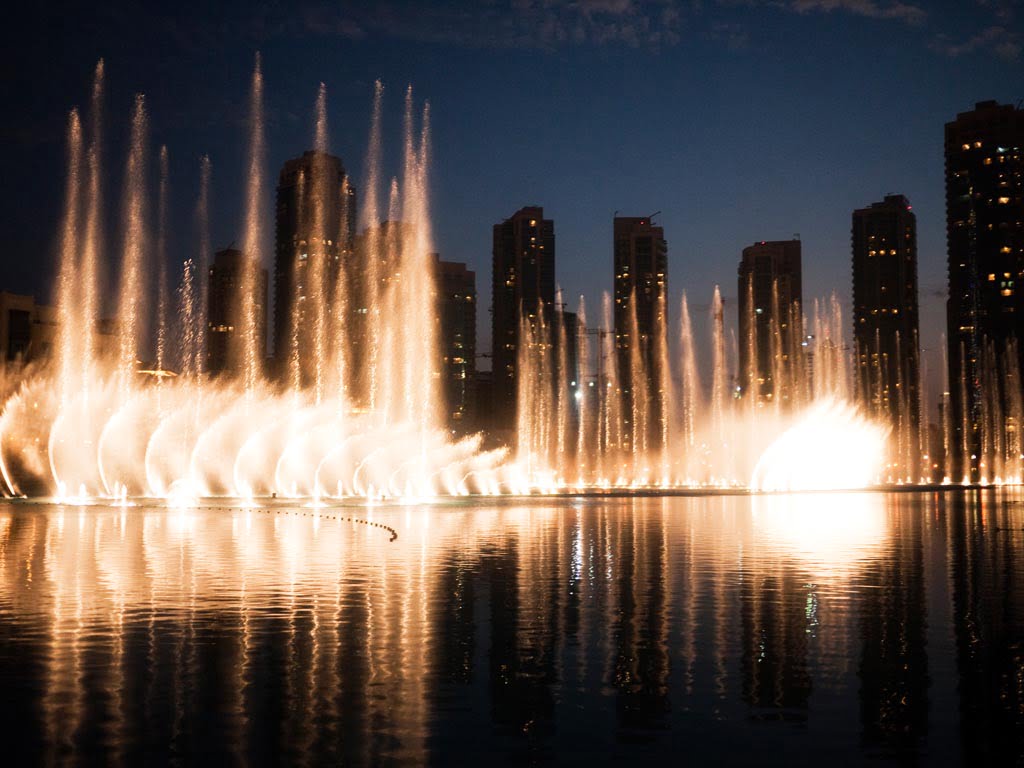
x=985, y=311
x=456, y=291
x=574, y=373
x=373, y=253
x=483, y=394
x=770, y=299
x=224, y=347
x=885, y=325
x=27, y=330
x=522, y=291
x=640, y=256
x=316, y=208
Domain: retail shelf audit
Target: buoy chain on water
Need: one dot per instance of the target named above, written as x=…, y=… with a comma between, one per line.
x=339, y=518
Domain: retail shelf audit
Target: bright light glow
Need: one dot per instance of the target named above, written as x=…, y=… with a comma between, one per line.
x=832, y=532
x=831, y=447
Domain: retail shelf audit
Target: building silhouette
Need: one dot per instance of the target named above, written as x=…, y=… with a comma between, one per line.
x=985, y=312
x=315, y=216
x=224, y=312
x=456, y=291
x=522, y=293
x=376, y=258
x=640, y=256
x=27, y=330
x=885, y=314
x=770, y=322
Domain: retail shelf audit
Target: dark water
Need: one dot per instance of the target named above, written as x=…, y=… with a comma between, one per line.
x=854, y=628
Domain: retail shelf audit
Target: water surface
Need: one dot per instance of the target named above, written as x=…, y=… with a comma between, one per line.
x=856, y=627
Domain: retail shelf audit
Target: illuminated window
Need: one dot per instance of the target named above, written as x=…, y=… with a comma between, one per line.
x=1004, y=200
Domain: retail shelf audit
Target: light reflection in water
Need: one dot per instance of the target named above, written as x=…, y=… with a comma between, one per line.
x=833, y=532
x=616, y=626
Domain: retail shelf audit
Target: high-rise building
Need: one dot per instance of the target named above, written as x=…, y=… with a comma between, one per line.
x=27, y=329
x=885, y=326
x=316, y=207
x=456, y=291
x=770, y=321
x=985, y=311
x=522, y=292
x=640, y=256
x=376, y=258
x=224, y=350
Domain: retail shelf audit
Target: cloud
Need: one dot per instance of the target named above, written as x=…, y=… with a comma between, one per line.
x=893, y=10
x=995, y=39
x=734, y=36
x=872, y=9
x=504, y=23
x=999, y=35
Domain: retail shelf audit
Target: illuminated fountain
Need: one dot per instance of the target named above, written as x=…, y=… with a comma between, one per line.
x=92, y=425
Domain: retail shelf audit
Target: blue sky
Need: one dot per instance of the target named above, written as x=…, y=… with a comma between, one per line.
x=739, y=120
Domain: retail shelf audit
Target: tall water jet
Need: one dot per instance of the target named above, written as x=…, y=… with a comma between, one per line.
x=300, y=265
x=583, y=395
x=690, y=396
x=193, y=292
x=129, y=313
x=612, y=394
x=89, y=268
x=638, y=401
x=252, y=240
x=562, y=386
x=161, y=267
x=417, y=281
x=665, y=393
x=317, y=266
x=340, y=302
x=67, y=299
x=370, y=222
x=719, y=373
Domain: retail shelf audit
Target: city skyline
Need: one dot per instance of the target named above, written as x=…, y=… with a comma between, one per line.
x=740, y=162
x=513, y=382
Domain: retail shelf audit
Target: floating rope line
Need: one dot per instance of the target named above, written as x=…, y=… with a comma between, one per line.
x=338, y=518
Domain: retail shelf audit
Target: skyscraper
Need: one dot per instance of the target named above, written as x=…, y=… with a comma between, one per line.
x=522, y=292
x=640, y=256
x=456, y=289
x=985, y=311
x=316, y=204
x=885, y=327
x=770, y=321
x=223, y=346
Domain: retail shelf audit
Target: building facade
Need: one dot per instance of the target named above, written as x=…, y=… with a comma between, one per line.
x=315, y=219
x=984, y=151
x=770, y=292
x=456, y=291
x=224, y=312
x=885, y=313
x=28, y=330
x=522, y=293
x=640, y=261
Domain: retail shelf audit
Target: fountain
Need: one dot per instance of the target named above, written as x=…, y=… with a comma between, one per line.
x=339, y=424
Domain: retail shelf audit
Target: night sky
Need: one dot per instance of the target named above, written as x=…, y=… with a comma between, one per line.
x=739, y=120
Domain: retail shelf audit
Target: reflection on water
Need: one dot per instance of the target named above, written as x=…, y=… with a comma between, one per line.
x=880, y=625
